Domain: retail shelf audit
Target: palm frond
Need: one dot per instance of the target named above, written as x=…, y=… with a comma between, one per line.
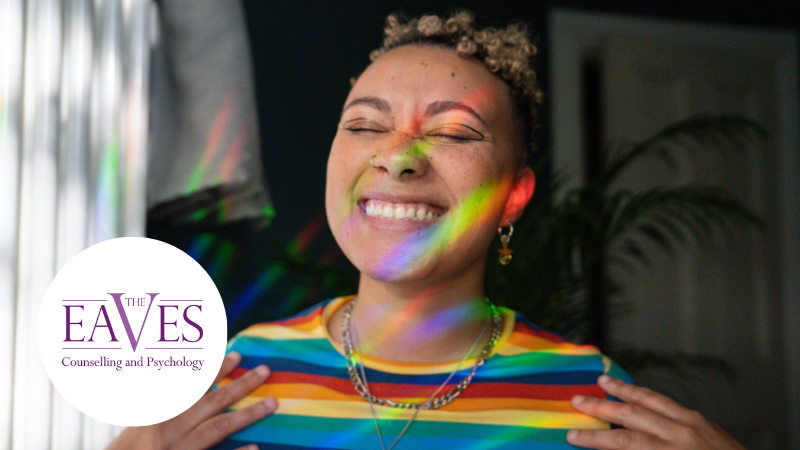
x=574, y=232
x=716, y=133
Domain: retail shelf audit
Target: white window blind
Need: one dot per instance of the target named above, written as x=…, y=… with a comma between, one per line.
x=73, y=128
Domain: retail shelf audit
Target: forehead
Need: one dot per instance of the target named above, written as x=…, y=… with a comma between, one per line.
x=416, y=75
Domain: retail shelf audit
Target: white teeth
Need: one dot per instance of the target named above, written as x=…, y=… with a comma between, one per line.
x=397, y=212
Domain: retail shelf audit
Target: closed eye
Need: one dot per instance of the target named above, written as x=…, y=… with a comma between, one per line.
x=456, y=134
x=361, y=126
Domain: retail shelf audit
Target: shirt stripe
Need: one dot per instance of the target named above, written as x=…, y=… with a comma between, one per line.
x=520, y=397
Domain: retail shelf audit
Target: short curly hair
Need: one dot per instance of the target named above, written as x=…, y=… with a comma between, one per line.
x=509, y=53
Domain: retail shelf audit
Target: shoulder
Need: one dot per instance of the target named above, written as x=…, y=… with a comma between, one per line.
x=306, y=326
x=532, y=349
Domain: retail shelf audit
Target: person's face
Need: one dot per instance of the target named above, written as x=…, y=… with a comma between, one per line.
x=443, y=174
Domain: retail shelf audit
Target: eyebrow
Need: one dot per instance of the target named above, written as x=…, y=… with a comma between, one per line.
x=448, y=105
x=433, y=109
x=375, y=102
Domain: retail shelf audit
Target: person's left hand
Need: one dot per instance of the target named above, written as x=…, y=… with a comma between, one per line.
x=651, y=421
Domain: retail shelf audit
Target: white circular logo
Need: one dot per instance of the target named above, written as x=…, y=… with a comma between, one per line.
x=132, y=331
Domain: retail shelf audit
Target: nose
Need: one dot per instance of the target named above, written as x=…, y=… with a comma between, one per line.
x=408, y=160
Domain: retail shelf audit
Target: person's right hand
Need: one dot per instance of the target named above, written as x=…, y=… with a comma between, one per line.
x=206, y=423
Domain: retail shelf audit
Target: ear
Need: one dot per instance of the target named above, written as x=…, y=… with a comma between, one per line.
x=521, y=193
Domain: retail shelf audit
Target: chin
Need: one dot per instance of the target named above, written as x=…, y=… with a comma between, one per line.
x=406, y=267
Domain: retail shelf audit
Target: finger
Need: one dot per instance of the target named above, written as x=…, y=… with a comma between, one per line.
x=230, y=362
x=220, y=399
x=644, y=397
x=248, y=447
x=217, y=428
x=631, y=416
x=613, y=440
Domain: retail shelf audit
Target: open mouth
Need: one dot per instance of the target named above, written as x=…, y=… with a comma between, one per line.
x=401, y=211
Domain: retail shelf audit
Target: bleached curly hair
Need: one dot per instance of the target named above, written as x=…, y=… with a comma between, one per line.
x=507, y=52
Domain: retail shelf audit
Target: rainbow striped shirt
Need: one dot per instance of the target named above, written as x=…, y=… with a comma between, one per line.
x=519, y=399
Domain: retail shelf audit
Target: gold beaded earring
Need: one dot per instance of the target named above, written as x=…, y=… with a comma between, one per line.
x=505, y=252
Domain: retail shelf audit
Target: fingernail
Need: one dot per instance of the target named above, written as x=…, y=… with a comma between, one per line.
x=578, y=399
x=271, y=403
x=234, y=355
x=604, y=379
x=572, y=435
x=261, y=370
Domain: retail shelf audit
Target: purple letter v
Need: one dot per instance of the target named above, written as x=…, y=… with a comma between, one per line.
x=124, y=317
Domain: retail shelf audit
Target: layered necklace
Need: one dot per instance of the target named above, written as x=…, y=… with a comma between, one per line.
x=349, y=340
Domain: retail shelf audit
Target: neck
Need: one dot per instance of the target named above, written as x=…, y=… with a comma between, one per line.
x=415, y=323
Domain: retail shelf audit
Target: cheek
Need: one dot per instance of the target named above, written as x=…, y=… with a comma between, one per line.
x=482, y=190
x=344, y=170
x=472, y=176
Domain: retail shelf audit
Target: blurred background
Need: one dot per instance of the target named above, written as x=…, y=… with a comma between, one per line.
x=206, y=124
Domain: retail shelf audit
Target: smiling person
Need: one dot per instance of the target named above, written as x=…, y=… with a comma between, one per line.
x=428, y=166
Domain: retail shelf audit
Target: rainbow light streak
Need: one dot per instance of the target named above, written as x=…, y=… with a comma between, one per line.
x=107, y=192
x=307, y=235
x=246, y=299
x=217, y=270
x=224, y=206
x=268, y=213
x=198, y=215
x=135, y=160
x=200, y=246
x=232, y=157
x=455, y=226
x=458, y=222
x=423, y=245
x=214, y=138
x=296, y=297
x=433, y=240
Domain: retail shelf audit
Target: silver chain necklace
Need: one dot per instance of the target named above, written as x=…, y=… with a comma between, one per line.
x=349, y=336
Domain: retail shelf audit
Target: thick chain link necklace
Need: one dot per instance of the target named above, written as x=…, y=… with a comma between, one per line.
x=361, y=386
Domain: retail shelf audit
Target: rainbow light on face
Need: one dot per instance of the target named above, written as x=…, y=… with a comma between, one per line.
x=454, y=226
x=468, y=214
x=421, y=247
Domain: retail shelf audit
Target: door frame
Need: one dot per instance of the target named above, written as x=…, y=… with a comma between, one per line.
x=574, y=35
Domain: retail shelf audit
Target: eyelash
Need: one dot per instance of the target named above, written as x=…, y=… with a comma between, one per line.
x=356, y=129
x=439, y=133
x=454, y=136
